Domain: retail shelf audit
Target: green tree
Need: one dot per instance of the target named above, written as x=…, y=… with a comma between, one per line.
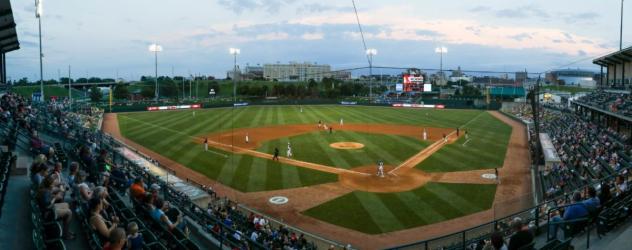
x=121, y=92
x=95, y=94
x=147, y=92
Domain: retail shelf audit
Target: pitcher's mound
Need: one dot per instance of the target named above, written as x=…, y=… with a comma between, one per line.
x=346, y=145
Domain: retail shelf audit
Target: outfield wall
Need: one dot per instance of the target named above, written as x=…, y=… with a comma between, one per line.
x=446, y=103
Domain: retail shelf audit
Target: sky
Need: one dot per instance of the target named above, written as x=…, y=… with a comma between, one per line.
x=110, y=38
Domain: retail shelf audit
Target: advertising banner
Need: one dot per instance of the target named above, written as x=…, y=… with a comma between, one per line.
x=192, y=106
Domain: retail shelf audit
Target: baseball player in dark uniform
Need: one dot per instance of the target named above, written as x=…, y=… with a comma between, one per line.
x=276, y=154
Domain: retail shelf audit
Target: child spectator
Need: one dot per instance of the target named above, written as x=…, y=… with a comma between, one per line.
x=134, y=238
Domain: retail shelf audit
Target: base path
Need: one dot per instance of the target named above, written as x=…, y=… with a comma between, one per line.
x=514, y=176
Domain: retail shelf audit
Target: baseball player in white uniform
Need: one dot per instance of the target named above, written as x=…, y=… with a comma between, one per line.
x=425, y=134
x=205, y=144
x=247, y=138
x=289, y=150
x=342, y=122
x=380, y=169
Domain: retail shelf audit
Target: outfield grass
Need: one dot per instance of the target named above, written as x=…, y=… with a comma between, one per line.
x=314, y=147
x=486, y=148
x=375, y=213
x=171, y=134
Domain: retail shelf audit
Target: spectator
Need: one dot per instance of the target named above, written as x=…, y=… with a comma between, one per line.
x=496, y=242
x=522, y=236
x=137, y=189
x=116, y=241
x=605, y=194
x=158, y=214
x=575, y=211
x=103, y=227
x=53, y=201
x=592, y=203
x=621, y=185
x=134, y=238
x=155, y=189
x=40, y=172
x=72, y=174
x=39, y=147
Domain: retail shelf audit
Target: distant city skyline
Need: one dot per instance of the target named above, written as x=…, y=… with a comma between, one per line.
x=103, y=38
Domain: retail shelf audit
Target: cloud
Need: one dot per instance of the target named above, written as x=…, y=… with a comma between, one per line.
x=319, y=8
x=522, y=12
x=239, y=6
x=521, y=37
x=273, y=36
x=313, y=36
x=584, y=17
x=404, y=27
x=29, y=44
x=480, y=8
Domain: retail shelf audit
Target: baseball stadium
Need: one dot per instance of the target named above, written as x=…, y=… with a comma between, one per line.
x=481, y=148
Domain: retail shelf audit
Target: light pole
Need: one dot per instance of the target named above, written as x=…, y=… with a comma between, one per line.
x=156, y=48
x=370, y=53
x=69, y=91
x=234, y=52
x=38, y=15
x=441, y=50
x=621, y=29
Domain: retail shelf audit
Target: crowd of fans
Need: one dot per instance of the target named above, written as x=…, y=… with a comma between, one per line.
x=614, y=102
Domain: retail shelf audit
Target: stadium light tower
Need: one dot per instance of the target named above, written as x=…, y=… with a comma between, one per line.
x=234, y=52
x=156, y=48
x=441, y=50
x=621, y=29
x=38, y=15
x=370, y=53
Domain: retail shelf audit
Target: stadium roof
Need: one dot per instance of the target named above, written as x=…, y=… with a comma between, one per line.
x=624, y=55
x=8, y=36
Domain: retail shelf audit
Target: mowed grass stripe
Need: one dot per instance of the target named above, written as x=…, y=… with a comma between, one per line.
x=346, y=211
x=487, y=147
x=424, y=210
x=381, y=215
x=335, y=157
x=227, y=172
x=373, y=150
x=174, y=143
x=162, y=123
x=257, y=175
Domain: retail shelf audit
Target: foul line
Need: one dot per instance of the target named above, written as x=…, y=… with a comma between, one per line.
x=468, y=140
x=296, y=163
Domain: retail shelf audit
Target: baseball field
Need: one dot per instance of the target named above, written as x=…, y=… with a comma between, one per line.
x=331, y=177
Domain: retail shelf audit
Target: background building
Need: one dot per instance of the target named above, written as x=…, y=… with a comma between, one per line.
x=572, y=77
x=295, y=71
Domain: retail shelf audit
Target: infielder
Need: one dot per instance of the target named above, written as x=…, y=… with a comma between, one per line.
x=247, y=138
x=206, y=144
x=342, y=122
x=380, y=169
x=325, y=126
x=425, y=134
x=467, y=136
x=289, y=150
x=276, y=154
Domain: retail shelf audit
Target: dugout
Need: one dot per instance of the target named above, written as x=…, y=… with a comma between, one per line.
x=548, y=151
